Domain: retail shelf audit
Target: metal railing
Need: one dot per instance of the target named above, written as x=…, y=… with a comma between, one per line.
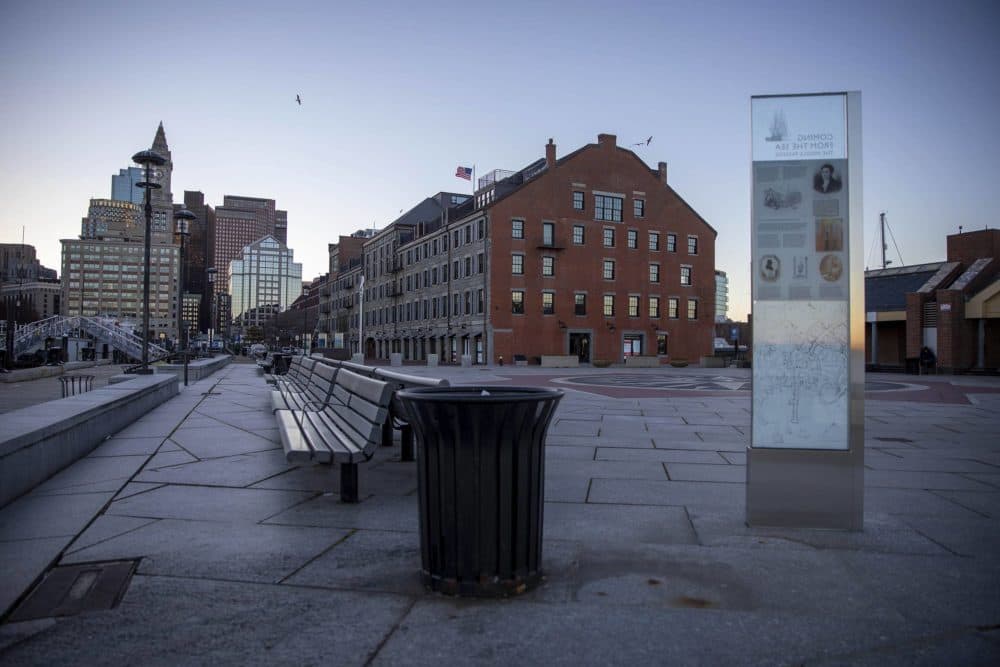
x=33, y=335
x=76, y=384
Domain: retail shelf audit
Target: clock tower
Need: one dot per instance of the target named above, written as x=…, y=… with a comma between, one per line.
x=162, y=199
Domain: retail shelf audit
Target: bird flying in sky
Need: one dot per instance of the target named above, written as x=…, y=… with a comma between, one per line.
x=646, y=142
x=299, y=100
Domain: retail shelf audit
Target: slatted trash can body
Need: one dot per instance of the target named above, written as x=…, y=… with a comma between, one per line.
x=481, y=475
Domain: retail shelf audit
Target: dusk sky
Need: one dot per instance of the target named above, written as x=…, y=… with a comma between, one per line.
x=396, y=95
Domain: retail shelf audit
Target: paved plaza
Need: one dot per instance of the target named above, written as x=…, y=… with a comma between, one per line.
x=243, y=558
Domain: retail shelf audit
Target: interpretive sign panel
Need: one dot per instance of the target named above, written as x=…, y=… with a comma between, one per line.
x=801, y=282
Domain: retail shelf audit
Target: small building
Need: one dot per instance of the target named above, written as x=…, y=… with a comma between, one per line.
x=951, y=307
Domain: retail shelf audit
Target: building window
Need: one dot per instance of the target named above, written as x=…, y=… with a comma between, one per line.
x=480, y=263
x=607, y=208
x=517, y=229
x=548, y=233
x=654, y=273
x=517, y=265
x=479, y=301
x=692, y=245
x=468, y=302
x=609, y=305
x=685, y=275
x=517, y=302
x=673, y=303
x=548, y=266
x=548, y=303
x=609, y=269
x=633, y=306
x=654, y=306
x=468, y=266
x=468, y=233
x=654, y=241
x=578, y=234
x=638, y=207
x=692, y=309
x=577, y=200
x=671, y=242
x=579, y=304
x=609, y=238
x=661, y=343
x=632, y=239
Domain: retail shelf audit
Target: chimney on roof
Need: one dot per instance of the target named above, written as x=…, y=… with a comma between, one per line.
x=607, y=140
x=663, y=172
x=550, y=154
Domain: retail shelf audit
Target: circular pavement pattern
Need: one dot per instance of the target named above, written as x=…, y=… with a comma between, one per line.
x=702, y=382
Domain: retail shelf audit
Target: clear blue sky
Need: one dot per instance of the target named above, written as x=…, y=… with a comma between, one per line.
x=396, y=94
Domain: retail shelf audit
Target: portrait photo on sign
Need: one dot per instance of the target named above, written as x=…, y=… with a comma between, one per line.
x=826, y=180
x=770, y=268
x=831, y=268
x=829, y=235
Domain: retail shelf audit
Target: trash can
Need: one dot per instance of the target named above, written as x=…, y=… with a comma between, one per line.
x=481, y=476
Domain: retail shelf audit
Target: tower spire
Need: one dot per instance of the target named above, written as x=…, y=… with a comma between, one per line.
x=160, y=141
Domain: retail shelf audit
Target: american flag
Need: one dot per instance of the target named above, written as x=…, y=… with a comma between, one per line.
x=464, y=172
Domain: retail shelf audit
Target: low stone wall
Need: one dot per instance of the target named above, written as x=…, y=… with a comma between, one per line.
x=713, y=362
x=560, y=361
x=197, y=369
x=40, y=440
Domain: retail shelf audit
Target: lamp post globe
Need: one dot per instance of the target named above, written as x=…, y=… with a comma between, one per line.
x=147, y=159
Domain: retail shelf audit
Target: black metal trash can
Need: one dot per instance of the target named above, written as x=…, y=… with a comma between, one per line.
x=481, y=475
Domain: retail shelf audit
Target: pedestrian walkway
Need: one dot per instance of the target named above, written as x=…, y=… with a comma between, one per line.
x=243, y=558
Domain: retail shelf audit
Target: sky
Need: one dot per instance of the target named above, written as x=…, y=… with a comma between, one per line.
x=395, y=95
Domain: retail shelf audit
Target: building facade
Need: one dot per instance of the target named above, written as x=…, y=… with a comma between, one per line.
x=263, y=282
x=113, y=219
x=592, y=255
x=951, y=307
x=198, y=251
x=239, y=222
x=124, y=186
x=721, y=296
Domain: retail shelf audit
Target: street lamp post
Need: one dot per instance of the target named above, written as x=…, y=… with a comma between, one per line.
x=182, y=229
x=147, y=159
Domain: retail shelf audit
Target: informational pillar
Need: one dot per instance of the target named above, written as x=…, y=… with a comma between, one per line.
x=805, y=461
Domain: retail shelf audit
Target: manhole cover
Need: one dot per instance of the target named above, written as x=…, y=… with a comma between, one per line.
x=72, y=589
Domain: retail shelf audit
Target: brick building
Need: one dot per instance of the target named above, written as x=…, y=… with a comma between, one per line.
x=592, y=254
x=952, y=307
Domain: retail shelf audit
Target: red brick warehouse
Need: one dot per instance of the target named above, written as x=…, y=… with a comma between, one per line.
x=598, y=256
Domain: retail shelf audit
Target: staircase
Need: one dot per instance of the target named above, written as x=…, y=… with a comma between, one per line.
x=33, y=335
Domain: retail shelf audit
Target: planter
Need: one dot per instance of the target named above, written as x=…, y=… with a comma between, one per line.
x=678, y=363
x=601, y=363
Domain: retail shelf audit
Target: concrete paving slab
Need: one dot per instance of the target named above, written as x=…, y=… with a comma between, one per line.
x=382, y=512
x=127, y=447
x=699, y=472
x=171, y=621
x=23, y=561
x=617, y=524
x=219, y=441
x=204, y=503
x=564, y=452
x=36, y=516
x=983, y=503
x=717, y=495
x=135, y=488
x=658, y=455
x=604, y=469
x=237, y=471
x=236, y=552
x=979, y=538
x=104, y=528
x=166, y=458
x=905, y=479
x=566, y=488
x=368, y=560
x=97, y=474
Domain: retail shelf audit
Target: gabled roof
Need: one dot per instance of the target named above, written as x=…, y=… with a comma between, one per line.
x=886, y=289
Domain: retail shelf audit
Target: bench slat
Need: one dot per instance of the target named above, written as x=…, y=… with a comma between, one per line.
x=297, y=449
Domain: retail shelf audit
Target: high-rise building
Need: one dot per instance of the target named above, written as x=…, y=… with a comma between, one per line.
x=102, y=271
x=198, y=252
x=264, y=281
x=239, y=222
x=281, y=226
x=721, y=296
x=18, y=263
x=112, y=219
x=124, y=186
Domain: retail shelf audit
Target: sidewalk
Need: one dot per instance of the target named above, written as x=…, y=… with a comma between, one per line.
x=246, y=559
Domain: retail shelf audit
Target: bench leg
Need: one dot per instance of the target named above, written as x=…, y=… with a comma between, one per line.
x=387, y=433
x=406, y=443
x=349, y=482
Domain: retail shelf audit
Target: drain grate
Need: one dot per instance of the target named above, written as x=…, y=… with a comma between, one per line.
x=893, y=439
x=73, y=589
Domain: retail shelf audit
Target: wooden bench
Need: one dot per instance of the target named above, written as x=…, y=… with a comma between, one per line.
x=397, y=415
x=313, y=396
x=346, y=431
